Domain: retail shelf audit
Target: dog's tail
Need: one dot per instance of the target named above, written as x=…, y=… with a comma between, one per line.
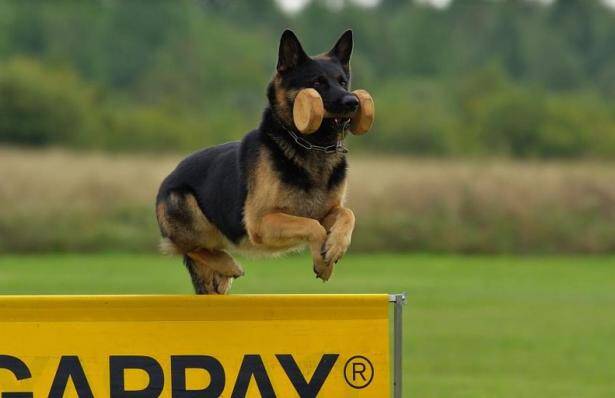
x=166, y=246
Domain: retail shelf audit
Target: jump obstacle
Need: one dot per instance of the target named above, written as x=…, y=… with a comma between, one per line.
x=201, y=346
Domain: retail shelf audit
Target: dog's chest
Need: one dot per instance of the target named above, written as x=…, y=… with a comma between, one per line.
x=269, y=192
x=314, y=203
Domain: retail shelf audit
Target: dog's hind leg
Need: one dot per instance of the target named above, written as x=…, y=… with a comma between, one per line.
x=186, y=230
x=219, y=261
x=212, y=271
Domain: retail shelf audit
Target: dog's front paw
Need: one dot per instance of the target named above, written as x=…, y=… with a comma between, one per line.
x=322, y=269
x=335, y=247
x=332, y=250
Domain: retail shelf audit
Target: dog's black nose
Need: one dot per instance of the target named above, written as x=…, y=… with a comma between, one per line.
x=350, y=102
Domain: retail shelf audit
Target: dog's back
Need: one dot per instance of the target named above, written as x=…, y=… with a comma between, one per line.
x=217, y=179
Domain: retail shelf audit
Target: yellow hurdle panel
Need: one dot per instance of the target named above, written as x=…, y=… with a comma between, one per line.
x=326, y=346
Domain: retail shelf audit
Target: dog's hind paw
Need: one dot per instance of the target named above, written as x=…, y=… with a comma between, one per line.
x=211, y=282
x=225, y=265
x=235, y=272
x=221, y=284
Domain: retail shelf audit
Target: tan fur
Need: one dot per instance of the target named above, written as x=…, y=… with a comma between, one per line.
x=339, y=224
x=161, y=215
x=210, y=281
x=268, y=194
x=219, y=261
x=194, y=235
x=167, y=247
x=200, y=233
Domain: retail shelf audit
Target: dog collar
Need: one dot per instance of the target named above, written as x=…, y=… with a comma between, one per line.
x=338, y=147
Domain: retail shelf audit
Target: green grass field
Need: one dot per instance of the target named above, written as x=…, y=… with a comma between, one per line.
x=475, y=326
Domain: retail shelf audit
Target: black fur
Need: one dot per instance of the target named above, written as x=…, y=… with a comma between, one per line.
x=338, y=175
x=215, y=178
x=290, y=173
x=218, y=176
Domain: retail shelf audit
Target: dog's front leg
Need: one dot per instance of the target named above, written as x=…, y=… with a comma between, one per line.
x=283, y=230
x=339, y=223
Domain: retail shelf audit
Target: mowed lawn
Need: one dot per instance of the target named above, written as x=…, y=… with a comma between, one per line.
x=475, y=326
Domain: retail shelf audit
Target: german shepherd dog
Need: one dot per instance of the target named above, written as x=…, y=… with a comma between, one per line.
x=271, y=192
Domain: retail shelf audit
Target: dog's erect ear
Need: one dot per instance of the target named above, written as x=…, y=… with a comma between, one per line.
x=291, y=53
x=343, y=48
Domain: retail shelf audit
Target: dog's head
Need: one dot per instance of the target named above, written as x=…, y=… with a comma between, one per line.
x=328, y=73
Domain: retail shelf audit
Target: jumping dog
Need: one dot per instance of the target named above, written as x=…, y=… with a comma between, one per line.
x=274, y=191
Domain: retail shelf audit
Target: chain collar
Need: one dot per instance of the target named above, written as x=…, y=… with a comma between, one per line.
x=338, y=147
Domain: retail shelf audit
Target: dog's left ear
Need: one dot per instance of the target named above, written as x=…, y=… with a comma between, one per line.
x=343, y=48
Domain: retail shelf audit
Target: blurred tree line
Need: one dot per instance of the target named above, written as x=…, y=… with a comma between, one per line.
x=510, y=77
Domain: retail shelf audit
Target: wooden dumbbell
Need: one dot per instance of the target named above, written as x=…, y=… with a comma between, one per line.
x=363, y=118
x=309, y=110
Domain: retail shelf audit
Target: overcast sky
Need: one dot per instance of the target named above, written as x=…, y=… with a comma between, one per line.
x=296, y=5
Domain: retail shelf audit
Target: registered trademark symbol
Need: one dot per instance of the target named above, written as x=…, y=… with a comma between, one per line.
x=358, y=372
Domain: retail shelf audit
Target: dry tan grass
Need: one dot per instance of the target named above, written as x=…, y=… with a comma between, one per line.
x=52, y=196
x=53, y=180
x=489, y=205
x=411, y=184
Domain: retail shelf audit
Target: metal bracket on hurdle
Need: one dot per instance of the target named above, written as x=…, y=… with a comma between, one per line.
x=398, y=300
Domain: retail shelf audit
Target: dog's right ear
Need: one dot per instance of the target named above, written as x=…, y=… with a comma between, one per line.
x=343, y=48
x=291, y=53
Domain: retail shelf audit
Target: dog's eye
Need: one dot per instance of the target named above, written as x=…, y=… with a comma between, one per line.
x=318, y=83
x=343, y=83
